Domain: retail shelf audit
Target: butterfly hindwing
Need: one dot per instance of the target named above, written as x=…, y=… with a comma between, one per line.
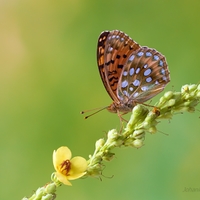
x=145, y=74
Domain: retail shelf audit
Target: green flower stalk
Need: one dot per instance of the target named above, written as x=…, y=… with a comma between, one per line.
x=143, y=119
x=46, y=192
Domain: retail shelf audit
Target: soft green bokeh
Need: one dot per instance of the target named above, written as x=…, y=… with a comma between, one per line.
x=48, y=74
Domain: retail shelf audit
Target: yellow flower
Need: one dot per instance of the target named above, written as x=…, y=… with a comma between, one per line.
x=67, y=168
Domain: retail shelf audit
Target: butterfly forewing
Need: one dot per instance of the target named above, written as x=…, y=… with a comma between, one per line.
x=144, y=75
x=113, y=49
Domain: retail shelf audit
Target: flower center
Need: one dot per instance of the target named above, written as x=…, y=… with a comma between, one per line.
x=65, y=167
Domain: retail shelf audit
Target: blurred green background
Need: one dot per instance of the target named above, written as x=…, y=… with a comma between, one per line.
x=48, y=74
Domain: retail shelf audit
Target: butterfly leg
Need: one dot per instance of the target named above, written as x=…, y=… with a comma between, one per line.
x=121, y=120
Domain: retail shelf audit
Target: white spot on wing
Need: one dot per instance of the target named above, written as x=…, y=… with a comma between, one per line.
x=140, y=53
x=110, y=49
x=124, y=84
x=131, y=58
x=136, y=82
x=162, y=71
x=144, y=88
x=145, y=66
x=131, y=72
x=136, y=94
x=164, y=78
x=137, y=70
x=125, y=73
x=155, y=57
x=147, y=72
x=126, y=93
x=148, y=80
x=148, y=54
x=161, y=63
x=121, y=39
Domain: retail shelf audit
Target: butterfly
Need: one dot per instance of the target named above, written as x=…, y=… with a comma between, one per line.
x=131, y=74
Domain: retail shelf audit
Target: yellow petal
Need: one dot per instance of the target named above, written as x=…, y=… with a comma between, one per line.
x=62, y=154
x=76, y=176
x=78, y=168
x=63, y=179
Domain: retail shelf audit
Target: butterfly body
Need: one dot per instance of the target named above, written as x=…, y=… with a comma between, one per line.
x=130, y=73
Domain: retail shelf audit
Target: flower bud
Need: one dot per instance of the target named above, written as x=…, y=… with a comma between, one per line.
x=48, y=197
x=192, y=87
x=152, y=129
x=99, y=143
x=39, y=193
x=138, y=114
x=138, y=133
x=171, y=102
x=112, y=134
x=50, y=188
x=168, y=95
x=137, y=143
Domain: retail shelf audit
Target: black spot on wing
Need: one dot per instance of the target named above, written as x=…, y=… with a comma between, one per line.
x=118, y=56
x=124, y=56
x=120, y=66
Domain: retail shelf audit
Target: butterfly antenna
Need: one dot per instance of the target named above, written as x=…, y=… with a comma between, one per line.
x=98, y=110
